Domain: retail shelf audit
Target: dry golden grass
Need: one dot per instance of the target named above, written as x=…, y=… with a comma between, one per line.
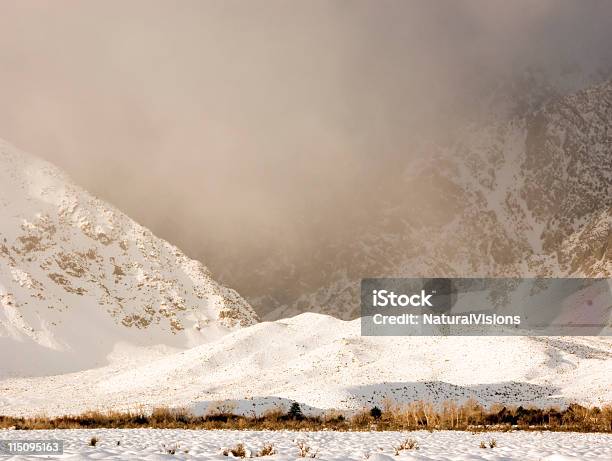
x=237, y=452
x=418, y=415
x=267, y=450
x=408, y=444
x=305, y=451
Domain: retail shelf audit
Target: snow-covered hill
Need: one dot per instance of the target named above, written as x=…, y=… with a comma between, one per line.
x=324, y=363
x=79, y=280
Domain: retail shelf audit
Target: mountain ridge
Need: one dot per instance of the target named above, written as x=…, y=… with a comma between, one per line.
x=77, y=277
x=529, y=196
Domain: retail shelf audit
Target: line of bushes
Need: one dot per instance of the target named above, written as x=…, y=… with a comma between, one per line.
x=392, y=417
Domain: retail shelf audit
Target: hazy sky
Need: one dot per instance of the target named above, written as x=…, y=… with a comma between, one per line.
x=234, y=124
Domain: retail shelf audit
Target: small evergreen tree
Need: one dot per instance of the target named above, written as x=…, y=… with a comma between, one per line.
x=295, y=412
x=376, y=413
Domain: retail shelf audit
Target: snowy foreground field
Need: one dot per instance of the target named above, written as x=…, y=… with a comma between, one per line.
x=152, y=444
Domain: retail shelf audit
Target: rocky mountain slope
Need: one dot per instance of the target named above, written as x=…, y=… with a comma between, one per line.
x=525, y=195
x=78, y=278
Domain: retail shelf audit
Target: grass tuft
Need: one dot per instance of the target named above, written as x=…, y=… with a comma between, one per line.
x=305, y=451
x=267, y=450
x=239, y=451
x=408, y=444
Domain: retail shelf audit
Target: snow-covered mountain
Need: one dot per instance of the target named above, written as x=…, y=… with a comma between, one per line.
x=528, y=192
x=131, y=322
x=324, y=363
x=78, y=278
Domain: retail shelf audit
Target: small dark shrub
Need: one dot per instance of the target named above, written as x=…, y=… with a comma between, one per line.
x=295, y=412
x=376, y=413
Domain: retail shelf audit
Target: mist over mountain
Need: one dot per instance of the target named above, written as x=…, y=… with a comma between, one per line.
x=528, y=192
x=264, y=138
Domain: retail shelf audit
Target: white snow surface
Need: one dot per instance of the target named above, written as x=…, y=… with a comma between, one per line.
x=153, y=445
x=325, y=363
